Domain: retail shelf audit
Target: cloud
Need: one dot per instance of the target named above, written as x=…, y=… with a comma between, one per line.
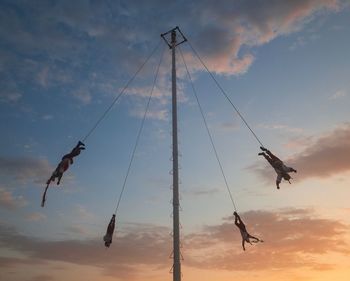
x=321, y=157
x=47, y=117
x=161, y=114
x=43, y=77
x=10, y=97
x=233, y=26
x=229, y=126
x=35, y=216
x=9, y=201
x=43, y=277
x=205, y=192
x=94, y=44
x=6, y=262
x=25, y=169
x=138, y=245
x=83, y=95
x=328, y=155
x=298, y=142
x=293, y=238
x=77, y=229
x=83, y=214
x=338, y=95
x=282, y=127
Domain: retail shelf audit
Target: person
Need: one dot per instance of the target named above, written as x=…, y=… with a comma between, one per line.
x=110, y=230
x=244, y=233
x=75, y=152
x=278, y=165
x=57, y=173
x=66, y=161
x=63, y=166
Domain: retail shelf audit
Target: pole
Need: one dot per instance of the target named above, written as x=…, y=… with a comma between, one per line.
x=176, y=205
x=176, y=220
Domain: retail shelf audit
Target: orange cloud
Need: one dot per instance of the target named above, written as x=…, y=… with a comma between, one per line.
x=25, y=169
x=35, y=216
x=328, y=155
x=231, y=26
x=293, y=238
x=9, y=201
x=139, y=245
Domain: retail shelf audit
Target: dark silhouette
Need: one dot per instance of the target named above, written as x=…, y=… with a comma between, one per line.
x=281, y=169
x=244, y=233
x=62, y=167
x=65, y=162
x=75, y=152
x=110, y=230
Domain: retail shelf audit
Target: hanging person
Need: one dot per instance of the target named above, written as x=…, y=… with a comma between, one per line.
x=244, y=233
x=57, y=173
x=66, y=161
x=75, y=151
x=278, y=165
x=63, y=166
x=109, y=234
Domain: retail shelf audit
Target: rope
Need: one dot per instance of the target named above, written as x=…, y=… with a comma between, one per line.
x=120, y=94
x=208, y=131
x=139, y=133
x=225, y=94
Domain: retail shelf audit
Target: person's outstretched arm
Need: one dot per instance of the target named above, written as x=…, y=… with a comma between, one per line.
x=237, y=219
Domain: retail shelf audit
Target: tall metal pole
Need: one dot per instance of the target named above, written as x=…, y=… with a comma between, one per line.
x=176, y=205
x=176, y=220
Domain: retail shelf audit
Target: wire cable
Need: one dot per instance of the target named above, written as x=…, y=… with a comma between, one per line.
x=121, y=93
x=208, y=131
x=139, y=133
x=225, y=94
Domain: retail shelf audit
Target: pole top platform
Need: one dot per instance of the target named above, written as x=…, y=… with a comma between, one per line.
x=169, y=40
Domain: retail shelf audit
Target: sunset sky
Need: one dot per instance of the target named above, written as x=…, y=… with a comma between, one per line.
x=284, y=64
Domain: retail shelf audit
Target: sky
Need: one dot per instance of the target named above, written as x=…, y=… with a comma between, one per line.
x=284, y=65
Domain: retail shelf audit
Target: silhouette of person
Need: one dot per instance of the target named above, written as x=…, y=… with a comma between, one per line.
x=75, y=152
x=110, y=230
x=58, y=172
x=66, y=161
x=278, y=165
x=244, y=233
x=63, y=166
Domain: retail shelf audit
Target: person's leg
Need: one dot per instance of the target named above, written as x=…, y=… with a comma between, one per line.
x=273, y=157
x=255, y=238
x=59, y=178
x=75, y=152
x=43, y=199
x=243, y=244
x=268, y=158
x=278, y=180
x=52, y=178
x=265, y=156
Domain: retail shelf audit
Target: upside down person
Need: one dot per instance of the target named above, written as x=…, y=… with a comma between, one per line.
x=110, y=230
x=244, y=233
x=66, y=161
x=278, y=165
x=63, y=166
